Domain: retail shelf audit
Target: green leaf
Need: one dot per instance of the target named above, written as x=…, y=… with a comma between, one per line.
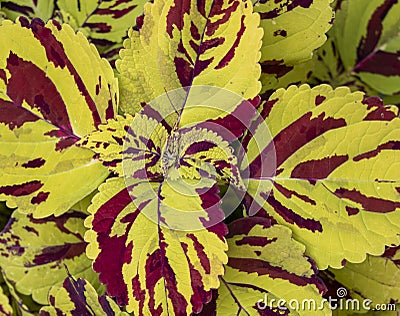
x=376, y=279
x=79, y=298
x=5, y=307
x=187, y=43
x=42, y=9
x=292, y=31
x=34, y=253
x=266, y=265
x=52, y=94
x=22, y=305
x=337, y=175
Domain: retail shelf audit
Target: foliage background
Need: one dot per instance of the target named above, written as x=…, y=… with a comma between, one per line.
x=75, y=243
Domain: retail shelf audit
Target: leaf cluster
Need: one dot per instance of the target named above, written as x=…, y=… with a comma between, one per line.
x=208, y=157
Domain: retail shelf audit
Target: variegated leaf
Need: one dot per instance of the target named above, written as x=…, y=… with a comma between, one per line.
x=104, y=22
x=371, y=51
x=337, y=171
x=148, y=149
x=34, y=253
x=203, y=153
x=42, y=9
x=79, y=298
x=327, y=67
x=367, y=58
x=184, y=43
x=54, y=90
x=376, y=279
x=292, y=30
x=149, y=265
x=298, y=74
x=266, y=265
x=108, y=142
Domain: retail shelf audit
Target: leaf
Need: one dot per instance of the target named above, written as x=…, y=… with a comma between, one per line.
x=156, y=235
x=34, y=253
x=293, y=29
x=79, y=298
x=336, y=183
x=266, y=264
x=148, y=264
x=376, y=279
x=103, y=22
x=327, y=67
x=188, y=43
x=42, y=168
x=42, y=9
x=108, y=142
x=5, y=307
x=83, y=204
x=22, y=305
x=370, y=52
x=298, y=74
x=140, y=141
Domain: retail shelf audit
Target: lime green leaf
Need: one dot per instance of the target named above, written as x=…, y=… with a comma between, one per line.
x=83, y=204
x=142, y=254
x=103, y=22
x=34, y=253
x=266, y=265
x=5, y=307
x=186, y=43
x=22, y=305
x=376, y=279
x=42, y=9
x=54, y=90
x=78, y=298
x=337, y=175
x=292, y=30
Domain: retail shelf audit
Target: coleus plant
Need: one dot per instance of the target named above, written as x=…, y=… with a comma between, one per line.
x=192, y=172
